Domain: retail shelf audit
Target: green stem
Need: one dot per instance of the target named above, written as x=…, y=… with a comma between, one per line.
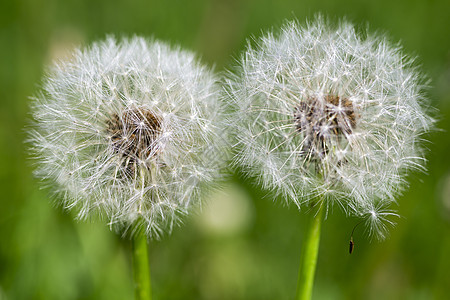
x=141, y=268
x=309, y=257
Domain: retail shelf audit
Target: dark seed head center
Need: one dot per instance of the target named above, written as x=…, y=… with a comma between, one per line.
x=321, y=120
x=133, y=133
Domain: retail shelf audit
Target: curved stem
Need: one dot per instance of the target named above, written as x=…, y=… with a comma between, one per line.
x=141, y=268
x=309, y=257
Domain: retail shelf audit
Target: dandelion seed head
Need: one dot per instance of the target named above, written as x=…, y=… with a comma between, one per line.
x=129, y=130
x=325, y=113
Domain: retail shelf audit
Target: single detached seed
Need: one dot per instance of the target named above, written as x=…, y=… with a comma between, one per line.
x=352, y=243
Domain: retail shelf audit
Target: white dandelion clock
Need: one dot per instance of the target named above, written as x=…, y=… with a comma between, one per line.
x=326, y=114
x=126, y=131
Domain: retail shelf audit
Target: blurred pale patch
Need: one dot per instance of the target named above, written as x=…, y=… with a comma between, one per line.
x=229, y=211
x=444, y=187
x=62, y=43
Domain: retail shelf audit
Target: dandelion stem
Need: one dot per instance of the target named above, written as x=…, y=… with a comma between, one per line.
x=141, y=268
x=309, y=257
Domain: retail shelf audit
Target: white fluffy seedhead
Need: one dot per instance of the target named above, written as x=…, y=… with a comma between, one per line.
x=129, y=131
x=326, y=114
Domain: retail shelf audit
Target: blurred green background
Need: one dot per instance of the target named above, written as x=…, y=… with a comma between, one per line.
x=241, y=246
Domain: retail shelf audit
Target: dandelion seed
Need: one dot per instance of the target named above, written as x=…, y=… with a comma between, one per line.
x=129, y=131
x=326, y=114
